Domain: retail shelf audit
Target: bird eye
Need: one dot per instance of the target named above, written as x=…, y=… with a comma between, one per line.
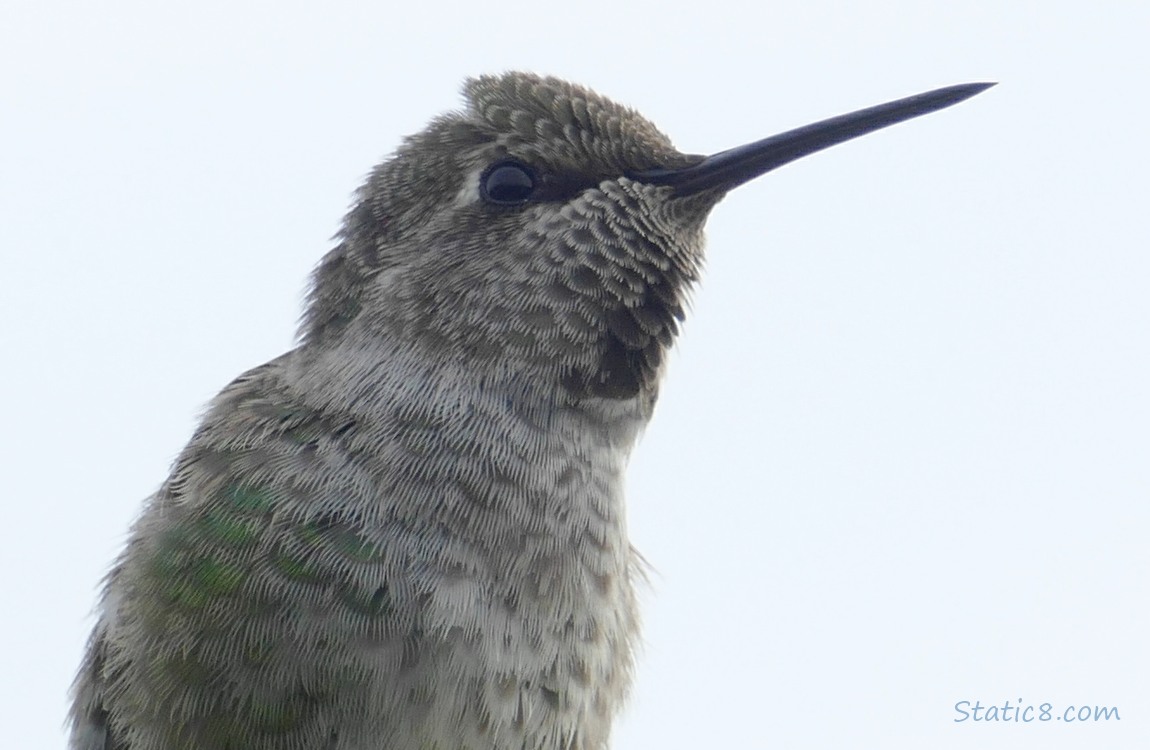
x=507, y=183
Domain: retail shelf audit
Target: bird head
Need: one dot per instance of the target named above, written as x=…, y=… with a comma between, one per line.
x=546, y=230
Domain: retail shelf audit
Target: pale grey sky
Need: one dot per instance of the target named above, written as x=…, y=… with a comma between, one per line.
x=901, y=457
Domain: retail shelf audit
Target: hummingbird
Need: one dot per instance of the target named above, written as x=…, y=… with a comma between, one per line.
x=408, y=532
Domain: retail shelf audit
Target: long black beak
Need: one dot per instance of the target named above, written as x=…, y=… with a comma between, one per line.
x=729, y=169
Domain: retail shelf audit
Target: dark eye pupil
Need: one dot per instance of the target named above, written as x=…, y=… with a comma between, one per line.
x=508, y=183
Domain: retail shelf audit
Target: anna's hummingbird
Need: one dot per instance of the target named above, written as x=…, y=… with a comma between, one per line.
x=408, y=532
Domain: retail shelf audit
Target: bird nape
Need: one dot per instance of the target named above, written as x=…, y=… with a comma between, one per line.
x=408, y=531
